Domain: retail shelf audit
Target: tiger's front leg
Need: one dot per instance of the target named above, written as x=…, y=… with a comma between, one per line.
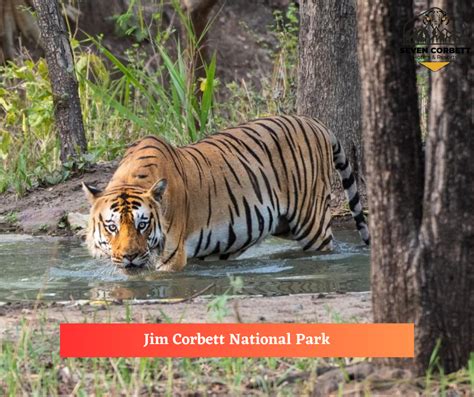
x=173, y=259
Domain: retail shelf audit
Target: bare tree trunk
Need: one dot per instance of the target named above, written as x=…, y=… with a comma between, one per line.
x=198, y=12
x=16, y=19
x=446, y=279
x=67, y=107
x=328, y=73
x=422, y=231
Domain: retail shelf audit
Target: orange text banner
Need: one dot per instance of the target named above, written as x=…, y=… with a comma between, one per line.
x=237, y=340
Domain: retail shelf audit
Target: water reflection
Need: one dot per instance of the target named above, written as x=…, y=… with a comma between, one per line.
x=61, y=269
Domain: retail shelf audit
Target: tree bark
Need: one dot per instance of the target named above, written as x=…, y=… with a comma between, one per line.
x=422, y=230
x=328, y=72
x=198, y=12
x=446, y=279
x=16, y=19
x=59, y=56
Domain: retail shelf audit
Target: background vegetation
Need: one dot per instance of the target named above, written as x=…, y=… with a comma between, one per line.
x=126, y=95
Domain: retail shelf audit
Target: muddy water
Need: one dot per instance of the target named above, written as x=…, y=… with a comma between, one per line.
x=61, y=269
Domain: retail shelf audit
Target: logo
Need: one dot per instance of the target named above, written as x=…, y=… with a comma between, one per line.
x=434, y=39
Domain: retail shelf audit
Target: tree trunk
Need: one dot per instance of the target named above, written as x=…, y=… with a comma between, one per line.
x=16, y=20
x=59, y=56
x=198, y=13
x=422, y=231
x=328, y=72
x=446, y=278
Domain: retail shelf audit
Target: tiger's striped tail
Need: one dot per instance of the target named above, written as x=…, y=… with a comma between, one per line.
x=350, y=188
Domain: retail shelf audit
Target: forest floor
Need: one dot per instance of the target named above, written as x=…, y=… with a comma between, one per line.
x=29, y=334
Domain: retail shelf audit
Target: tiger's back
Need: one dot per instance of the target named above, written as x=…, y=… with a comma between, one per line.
x=266, y=177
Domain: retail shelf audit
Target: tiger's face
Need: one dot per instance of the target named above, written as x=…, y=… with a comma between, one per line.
x=125, y=224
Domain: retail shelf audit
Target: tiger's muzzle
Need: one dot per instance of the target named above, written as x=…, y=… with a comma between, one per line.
x=133, y=261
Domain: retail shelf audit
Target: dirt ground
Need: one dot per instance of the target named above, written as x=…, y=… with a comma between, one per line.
x=306, y=308
x=43, y=210
x=359, y=378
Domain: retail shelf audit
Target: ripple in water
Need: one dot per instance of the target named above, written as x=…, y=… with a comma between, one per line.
x=61, y=269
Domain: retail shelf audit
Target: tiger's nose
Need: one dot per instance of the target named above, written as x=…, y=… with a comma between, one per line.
x=130, y=258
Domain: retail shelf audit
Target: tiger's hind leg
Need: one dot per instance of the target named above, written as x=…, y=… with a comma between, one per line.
x=311, y=226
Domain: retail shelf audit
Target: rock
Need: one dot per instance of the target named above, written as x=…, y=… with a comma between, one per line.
x=77, y=221
x=40, y=220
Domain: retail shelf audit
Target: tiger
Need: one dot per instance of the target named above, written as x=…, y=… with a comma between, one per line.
x=216, y=198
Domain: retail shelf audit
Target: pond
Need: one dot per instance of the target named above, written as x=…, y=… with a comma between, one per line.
x=56, y=269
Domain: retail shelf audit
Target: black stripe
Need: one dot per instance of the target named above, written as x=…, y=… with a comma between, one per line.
x=199, y=167
x=248, y=217
x=148, y=147
x=348, y=182
x=261, y=221
x=231, y=169
x=354, y=201
x=295, y=204
x=209, y=206
x=289, y=138
x=198, y=247
x=276, y=141
x=360, y=219
x=208, y=242
x=267, y=185
x=232, y=197
x=216, y=249
x=270, y=215
x=231, y=239
x=341, y=167
x=314, y=216
x=241, y=142
x=325, y=242
x=254, y=181
x=170, y=257
x=147, y=157
x=265, y=148
x=318, y=233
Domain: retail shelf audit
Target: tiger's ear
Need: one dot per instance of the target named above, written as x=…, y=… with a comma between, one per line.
x=158, y=189
x=91, y=192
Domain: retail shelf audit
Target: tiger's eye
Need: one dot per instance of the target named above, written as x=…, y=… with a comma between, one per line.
x=112, y=228
x=142, y=226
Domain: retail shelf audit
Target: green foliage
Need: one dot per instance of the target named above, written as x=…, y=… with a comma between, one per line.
x=284, y=76
x=11, y=217
x=131, y=22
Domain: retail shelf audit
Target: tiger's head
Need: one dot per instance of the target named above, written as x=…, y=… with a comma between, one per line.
x=125, y=224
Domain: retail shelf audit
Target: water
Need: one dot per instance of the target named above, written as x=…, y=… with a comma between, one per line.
x=61, y=269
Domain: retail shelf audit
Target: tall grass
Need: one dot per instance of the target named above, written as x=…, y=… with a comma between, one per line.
x=122, y=98
x=167, y=104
